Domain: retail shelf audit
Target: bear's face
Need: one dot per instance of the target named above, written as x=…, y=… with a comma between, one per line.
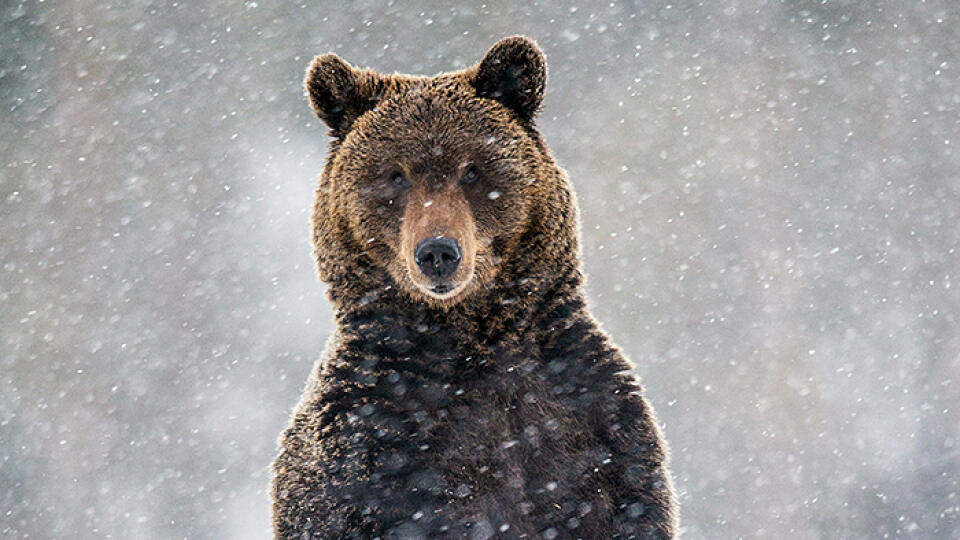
x=431, y=179
x=437, y=183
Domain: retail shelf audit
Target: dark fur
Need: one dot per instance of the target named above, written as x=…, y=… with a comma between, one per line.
x=505, y=412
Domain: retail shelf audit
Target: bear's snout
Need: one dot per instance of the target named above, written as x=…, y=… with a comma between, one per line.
x=438, y=257
x=438, y=244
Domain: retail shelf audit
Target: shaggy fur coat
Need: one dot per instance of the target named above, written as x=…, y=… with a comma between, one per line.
x=507, y=413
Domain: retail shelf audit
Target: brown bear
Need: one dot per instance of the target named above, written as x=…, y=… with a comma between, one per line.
x=467, y=392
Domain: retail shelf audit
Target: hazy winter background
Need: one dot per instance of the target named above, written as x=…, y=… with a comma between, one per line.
x=770, y=218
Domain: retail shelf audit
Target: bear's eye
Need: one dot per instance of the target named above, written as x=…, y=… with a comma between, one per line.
x=470, y=175
x=398, y=180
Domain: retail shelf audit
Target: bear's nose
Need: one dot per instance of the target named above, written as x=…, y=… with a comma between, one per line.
x=438, y=256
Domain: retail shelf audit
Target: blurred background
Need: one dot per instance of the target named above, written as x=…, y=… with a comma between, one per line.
x=769, y=195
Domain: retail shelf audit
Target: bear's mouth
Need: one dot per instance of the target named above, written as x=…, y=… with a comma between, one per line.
x=444, y=291
x=443, y=288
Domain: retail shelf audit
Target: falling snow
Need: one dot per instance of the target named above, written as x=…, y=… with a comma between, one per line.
x=769, y=192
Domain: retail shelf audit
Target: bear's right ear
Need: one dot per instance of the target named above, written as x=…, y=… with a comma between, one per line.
x=513, y=72
x=338, y=92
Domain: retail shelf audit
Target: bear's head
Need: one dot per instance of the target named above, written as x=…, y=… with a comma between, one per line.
x=441, y=183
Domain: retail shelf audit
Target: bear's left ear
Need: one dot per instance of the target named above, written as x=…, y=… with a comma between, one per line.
x=513, y=72
x=340, y=93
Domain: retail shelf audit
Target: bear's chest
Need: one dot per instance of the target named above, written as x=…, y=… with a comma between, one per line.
x=497, y=433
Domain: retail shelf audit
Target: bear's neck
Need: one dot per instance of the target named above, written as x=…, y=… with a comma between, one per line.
x=504, y=312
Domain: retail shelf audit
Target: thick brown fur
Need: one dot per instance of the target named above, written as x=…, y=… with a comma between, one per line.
x=499, y=409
